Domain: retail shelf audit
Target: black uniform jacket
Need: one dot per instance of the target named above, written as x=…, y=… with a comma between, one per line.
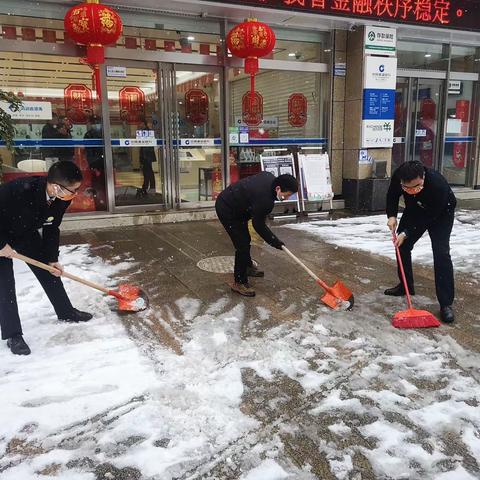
x=253, y=198
x=24, y=210
x=426, y=207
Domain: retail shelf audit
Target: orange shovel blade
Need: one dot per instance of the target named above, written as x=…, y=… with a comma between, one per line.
x=412, y=318
x=131, y=298
x=340, y=298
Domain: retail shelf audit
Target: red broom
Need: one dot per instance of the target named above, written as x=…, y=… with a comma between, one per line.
x=411, y=318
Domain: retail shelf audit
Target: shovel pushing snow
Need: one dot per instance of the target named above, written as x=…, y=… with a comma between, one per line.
x=338, y=297
x=130, y=298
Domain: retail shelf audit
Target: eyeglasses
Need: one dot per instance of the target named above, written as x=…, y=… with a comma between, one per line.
x=65, y=189
x=413, y=189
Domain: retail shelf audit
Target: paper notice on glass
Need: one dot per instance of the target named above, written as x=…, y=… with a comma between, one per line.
x=454, y=125
x=316, y=171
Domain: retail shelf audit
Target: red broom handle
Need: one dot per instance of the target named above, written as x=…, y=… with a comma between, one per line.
x=402, y=271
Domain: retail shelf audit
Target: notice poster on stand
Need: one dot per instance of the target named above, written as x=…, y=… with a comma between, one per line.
x=279, y=165
x=316, y=177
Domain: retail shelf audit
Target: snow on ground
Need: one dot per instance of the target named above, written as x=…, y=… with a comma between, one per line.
x=371, y=234
x=90, y=392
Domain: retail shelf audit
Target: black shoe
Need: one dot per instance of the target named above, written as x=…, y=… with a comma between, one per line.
x=398, y=291
x=447, y=315
x=18, y=346
x=243, y=289
x=253, y=271
x=76, y=316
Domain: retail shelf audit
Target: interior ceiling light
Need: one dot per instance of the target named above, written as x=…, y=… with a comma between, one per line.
x=428, y=55
x=190, y=38
x=291, y=54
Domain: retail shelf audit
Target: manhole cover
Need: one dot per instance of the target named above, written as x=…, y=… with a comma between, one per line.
x=218, y=264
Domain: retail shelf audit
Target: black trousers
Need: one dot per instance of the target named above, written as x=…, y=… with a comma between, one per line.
x=439, y=233
x=148, y=177
x=237, y=229
x=53, y=286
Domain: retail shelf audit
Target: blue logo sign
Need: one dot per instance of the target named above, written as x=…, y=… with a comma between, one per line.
x=381, y=68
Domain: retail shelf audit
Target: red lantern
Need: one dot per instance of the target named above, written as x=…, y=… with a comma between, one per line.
x=250, y=40
x=95, y=26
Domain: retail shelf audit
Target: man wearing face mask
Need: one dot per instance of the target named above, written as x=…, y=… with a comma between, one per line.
x=429, y=206
x=27, y=205
x=251, y=198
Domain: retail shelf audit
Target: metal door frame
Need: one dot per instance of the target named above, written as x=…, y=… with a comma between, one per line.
x=109, y=168
x=175, y=134
x=167, y=108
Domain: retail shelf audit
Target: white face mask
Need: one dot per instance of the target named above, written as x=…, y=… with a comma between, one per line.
x=280, y=197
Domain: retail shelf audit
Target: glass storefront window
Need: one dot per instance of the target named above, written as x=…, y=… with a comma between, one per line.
x=465, y=59
x=300, y=46
x=289, y=111
x=60, y=120
x=422, y=56
x=15, y=27
x=459, y=136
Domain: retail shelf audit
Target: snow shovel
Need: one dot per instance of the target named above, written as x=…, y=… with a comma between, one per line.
x=411, y=318
x=338, y=297
x=130, y=298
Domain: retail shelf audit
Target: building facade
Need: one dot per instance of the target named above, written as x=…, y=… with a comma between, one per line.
x=174, y=125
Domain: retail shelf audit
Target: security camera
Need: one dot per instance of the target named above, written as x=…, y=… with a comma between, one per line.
x=352, y=27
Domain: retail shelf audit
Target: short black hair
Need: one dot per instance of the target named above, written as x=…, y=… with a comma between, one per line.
x=286, y=182
x=65, y=173
x=410, y=170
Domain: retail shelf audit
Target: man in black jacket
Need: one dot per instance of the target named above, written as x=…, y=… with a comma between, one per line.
x=27, y=205
x=429, y=205
x=251, y=198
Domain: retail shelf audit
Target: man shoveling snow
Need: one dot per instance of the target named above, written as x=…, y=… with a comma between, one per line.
x=27, y=205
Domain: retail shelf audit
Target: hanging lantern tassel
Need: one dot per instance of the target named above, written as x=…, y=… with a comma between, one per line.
x=96, y=57
x=251, y=67
x=96, y=80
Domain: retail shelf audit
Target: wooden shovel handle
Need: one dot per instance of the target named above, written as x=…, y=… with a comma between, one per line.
x=51, y=269
x=315, y=277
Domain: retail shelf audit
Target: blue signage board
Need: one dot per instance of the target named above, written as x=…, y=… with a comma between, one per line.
x=378, y=104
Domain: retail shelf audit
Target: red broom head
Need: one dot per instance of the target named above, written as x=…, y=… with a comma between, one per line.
x=412, y=318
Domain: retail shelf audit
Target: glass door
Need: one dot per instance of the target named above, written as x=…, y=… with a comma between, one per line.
x=197, y=135
x=425, y=128
x=136, y=134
